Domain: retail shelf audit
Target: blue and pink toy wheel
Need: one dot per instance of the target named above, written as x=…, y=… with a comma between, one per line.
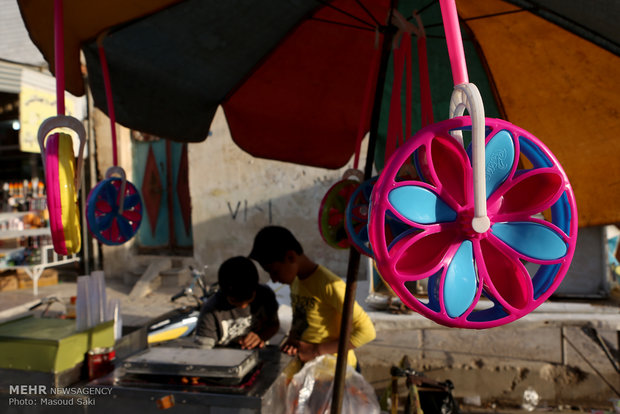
x=356, y=217
x=107, y=221
x=516, y=264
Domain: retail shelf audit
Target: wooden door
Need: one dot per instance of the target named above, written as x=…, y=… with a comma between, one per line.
x=161, y=175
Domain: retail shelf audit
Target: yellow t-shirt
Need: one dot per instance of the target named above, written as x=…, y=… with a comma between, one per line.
x=317, y=303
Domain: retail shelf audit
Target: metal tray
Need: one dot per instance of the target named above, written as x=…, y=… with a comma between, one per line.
x=213, y=363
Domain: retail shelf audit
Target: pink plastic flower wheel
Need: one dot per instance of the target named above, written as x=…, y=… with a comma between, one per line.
x=106, y=221
x=331, y=213
x=515, y=265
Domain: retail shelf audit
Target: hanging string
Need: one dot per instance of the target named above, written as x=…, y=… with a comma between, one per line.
x=408, y=89
x=426, y=102
x=395, y=121
x=59, y=53
x=402, y=60
x=108, y=95
x=367, y=103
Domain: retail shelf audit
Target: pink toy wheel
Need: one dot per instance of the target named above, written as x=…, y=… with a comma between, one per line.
x=517, y=264
x=107, y=222
x=332, y=213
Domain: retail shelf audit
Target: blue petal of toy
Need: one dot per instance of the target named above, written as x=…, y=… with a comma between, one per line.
x=104, y=222
x=531, y=239
x=124, y=228
x=363, y=235
x=459, y=288
x=367, y=190
x=499, y=156
x=109, y=192
x=420, y=205
x=131, y=201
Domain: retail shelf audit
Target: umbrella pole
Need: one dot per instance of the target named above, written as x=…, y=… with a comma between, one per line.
x=354, y=255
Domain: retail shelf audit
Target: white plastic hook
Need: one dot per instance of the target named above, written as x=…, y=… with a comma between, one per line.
x=353, y=173
x=115, y=170
x=64, y=121
x=466, y=96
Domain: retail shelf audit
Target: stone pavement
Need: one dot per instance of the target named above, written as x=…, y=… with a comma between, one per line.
x=135, y=310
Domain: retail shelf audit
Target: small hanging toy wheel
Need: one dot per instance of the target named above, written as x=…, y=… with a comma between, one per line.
x=114, y=209
x=356, y=217
x=332, y=210
x=62, y=181
x=516, y=264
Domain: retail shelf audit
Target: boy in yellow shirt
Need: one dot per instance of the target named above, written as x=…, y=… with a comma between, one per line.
x=317, y=297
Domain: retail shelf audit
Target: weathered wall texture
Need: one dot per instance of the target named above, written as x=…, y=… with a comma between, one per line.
x=234, y=195
x=559, y=360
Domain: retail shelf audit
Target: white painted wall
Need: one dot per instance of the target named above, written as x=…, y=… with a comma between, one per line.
x=234, y=195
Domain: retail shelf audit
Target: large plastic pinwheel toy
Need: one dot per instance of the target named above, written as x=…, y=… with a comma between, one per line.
x=496, y=222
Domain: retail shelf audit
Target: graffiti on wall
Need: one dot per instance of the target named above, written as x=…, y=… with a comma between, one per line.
x=241, y=210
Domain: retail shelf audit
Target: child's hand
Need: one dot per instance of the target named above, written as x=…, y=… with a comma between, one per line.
x=290, y=347
x=251, y=341
x=307, y=351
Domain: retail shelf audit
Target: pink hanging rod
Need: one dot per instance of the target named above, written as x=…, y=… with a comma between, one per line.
x=454, y=41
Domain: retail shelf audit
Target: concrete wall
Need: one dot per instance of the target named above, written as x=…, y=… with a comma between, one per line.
x=234, y=195
x=550, y=351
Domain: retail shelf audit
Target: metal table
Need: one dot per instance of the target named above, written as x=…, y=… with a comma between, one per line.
x=263, y=392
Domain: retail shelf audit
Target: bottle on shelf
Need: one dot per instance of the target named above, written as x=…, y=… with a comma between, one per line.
x=26, y=195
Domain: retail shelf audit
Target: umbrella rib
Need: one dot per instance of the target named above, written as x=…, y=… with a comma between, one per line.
x=484, y=16
x=555, y=18
x=359, y=3
x=568, y=24
x=423, y=9
x=342, y=24
x=346, y=13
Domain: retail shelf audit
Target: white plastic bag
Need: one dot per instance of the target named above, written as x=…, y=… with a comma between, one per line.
x=311, y=389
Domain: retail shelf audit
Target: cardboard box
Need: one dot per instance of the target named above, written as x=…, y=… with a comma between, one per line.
x=49, y=277
x=8, y=281
x=11, y=243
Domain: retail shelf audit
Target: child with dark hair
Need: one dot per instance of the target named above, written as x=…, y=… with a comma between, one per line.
x=242, y=313
x=317, y=297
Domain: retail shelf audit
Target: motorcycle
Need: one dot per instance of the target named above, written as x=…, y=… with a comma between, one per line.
x=48, y=302
x=181, y=322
